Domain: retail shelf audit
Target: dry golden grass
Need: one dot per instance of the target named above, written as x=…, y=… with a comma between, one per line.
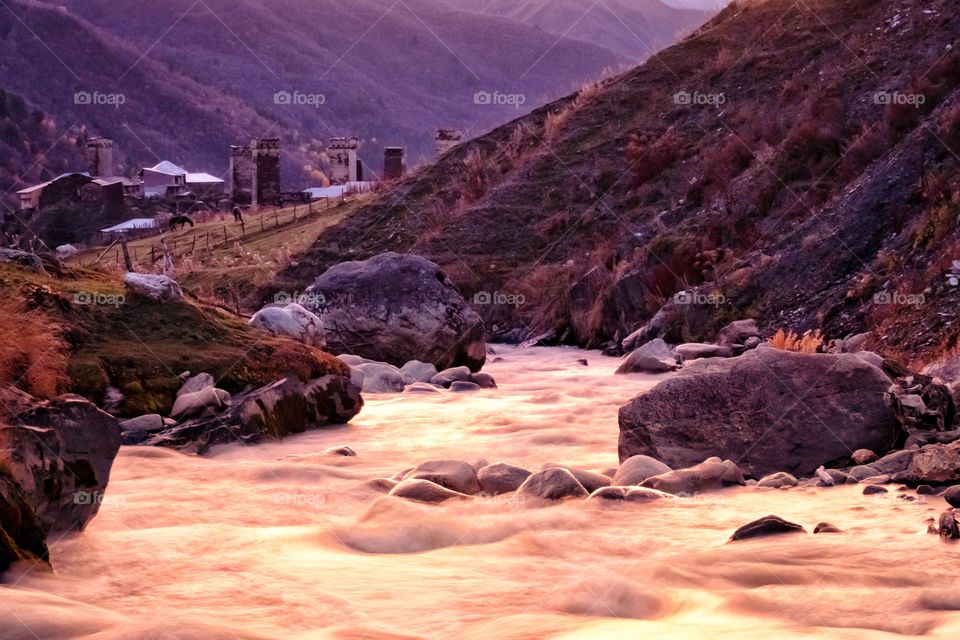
x=33, y=355
x=809, y=342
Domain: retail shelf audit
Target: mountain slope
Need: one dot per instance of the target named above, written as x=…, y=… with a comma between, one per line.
x=201, y=75
x=778, y=163
x=635, y=29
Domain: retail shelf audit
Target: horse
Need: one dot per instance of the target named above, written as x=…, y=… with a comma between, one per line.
x=180, y=220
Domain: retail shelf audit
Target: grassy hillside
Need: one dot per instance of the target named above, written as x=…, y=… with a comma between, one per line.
x=136, y=345
x=778, y=159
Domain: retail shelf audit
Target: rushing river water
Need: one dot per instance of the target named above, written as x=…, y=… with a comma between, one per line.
x=278, y=541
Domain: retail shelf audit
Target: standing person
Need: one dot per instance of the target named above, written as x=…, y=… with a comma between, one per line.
x=237, y=213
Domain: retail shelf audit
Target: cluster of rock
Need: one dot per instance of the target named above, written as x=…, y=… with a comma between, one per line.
x=204, y=416
x=57, y=460
x=414, y=377
x=636, y=480
x=649, y=354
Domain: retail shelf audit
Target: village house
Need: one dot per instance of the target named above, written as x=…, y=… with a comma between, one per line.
x=163, y=179
x=205, y=186
x=64, y=188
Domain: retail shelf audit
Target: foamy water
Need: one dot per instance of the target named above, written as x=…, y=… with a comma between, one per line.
x=278, y=541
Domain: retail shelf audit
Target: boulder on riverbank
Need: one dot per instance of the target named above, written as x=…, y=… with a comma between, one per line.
x=396, y=308
x=768, y=409
x=60, y=454
x=285, y=407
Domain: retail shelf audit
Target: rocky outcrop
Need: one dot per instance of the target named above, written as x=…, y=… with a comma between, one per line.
x=696, y=350
x=655, y=356
x=738, y=334
x=284, y=407
x=770, y=410
x=937, y=463
x=395, y=308
x=206, y=400
x=155, y=287
x=60, y=454
x=292, y=321
x=923, y=405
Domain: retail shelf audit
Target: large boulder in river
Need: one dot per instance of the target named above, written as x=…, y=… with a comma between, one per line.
x=554, y=483
x=292, y=321
x=380, y=377
x=455, y=475
x=655, y=356
x=769, y=410
x=395, y=308
x=60, y=453
x=709, y=475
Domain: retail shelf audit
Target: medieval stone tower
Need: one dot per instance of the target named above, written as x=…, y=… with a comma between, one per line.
x=241, y=174
x=255, y=172
x=393, y=163
x=266, y=165
x=342, y=153
x=100, y=157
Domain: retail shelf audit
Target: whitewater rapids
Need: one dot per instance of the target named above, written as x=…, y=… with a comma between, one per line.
x=279, y=542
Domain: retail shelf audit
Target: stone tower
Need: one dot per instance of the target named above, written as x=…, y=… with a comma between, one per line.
x=255, y=172
x=447, y=139
x=241, y=174
x=393, y=163
x=266, y=171
x=343, y=159
x=100, y=157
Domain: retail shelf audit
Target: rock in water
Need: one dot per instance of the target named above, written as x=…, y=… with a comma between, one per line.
x=396, y=308
x=863, y=456
x=60, y=453
x=872, y=490
x=154, y=287
x=448, y=376
x=778, y=480
x=590, y=480
x=500, y=477
x=425, y=491
x=826, y=527
x=636, y=469
x=949, y=528
x=455, y=475
x=628, y=494
x=706, y=476
x=952, y=496
x=653, y=357
x=379, y=377
x=416, y=371
x=292, y=321
x=552, y=484
x=767, y=526
x=771, y=410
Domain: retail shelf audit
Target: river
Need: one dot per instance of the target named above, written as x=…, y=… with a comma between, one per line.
x=278, y=541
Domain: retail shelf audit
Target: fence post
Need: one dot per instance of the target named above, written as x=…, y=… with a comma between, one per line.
x=126, y=255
